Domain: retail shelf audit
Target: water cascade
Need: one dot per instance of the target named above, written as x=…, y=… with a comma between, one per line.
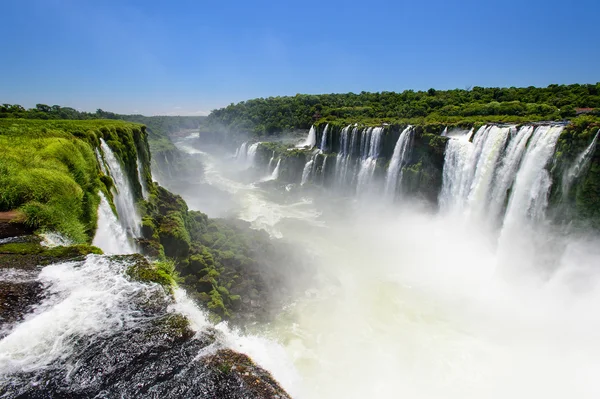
x=343, y=157
x=110, y=236
x=369, y=149
x=478, y=176
x=580, y=163
x=393, y=177
x=123, y=195
x=275, y=173
x=271, y=162
x=324, y=138
x=142, y=180
x=246, y=154
x=311, y=140
x=307, y=170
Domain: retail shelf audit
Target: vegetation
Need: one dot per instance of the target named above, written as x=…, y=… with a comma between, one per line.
x=273, y=115
x=49, y=172
x=218, y=261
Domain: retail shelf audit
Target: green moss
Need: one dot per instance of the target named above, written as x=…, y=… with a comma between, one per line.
x=160, y=272
x=34, y=248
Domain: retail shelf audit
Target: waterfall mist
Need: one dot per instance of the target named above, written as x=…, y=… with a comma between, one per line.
x=481, y=298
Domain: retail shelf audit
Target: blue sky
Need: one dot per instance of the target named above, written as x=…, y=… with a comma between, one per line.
x=189, y=57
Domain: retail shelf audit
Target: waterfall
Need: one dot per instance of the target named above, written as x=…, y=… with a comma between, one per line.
x=142, y=180
x=508, y=170
x=306, y=171
x=242, y=153
x=251, y=154
x=343, y=156
x=110, y=235
x=122, y=193
x=370, y=147
x=311, y=140
x=101, y=162
x=469, y=168
x=580, y=163
x=529, y=197
x=246, y=154
x=271, y=162
x=323, y=169
x=324, y=138
x=394, y=173
x=275, y=174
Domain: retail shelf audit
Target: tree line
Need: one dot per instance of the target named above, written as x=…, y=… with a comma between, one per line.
x=266, y=116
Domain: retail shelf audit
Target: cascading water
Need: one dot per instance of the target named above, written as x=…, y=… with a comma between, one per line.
x=394, y=173
x=246, y=154
x=307, y=171
x=370, y=147
x=110, y=236
x=529, y=196
x=242, y=153
x=251, y=154
x=271, y=162
x=469, y=169
x=101, y=162
x=323, y=146
x=508, y=170
x=311, y=140
x=580, y=164
x=275, y=174
x=343, y=158
x=142, y=180
x=123, y=195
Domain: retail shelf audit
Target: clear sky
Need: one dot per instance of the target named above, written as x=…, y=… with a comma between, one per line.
x=189, y=57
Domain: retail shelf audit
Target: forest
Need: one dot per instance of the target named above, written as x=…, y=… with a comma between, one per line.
x=273, y=115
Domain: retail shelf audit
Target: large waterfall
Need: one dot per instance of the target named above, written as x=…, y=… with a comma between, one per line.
x=323, y=146
x=479, y=175
x=246, y=154
x=122, y=193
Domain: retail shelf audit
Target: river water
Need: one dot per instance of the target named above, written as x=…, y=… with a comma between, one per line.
x=408, y=302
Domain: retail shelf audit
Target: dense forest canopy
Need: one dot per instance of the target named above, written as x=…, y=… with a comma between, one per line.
x=276, y=114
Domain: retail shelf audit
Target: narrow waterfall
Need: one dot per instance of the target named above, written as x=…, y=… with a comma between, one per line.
x=306, y=171
x=508, y=170
x=370, y=147
x=142, y=180
x=271, y=162
x=123, y=195
x=110, y=236
x=393, y=177
x=242, y=153
x=580, y=163
x=251, y=154
x=324, y=138
x=101, y=162
x=323, y=169
x=311, y=140
x=344, y=154
x=275, y=174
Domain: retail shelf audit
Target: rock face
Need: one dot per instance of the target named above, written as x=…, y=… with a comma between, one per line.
x=153, y=354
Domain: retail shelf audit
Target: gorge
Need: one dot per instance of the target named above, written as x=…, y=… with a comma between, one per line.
x=350, y=258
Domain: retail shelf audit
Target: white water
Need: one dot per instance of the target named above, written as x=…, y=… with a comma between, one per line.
x=123, y=195
x=394, y=173
x=323, y=146
x=83, y=299
x=52, y=239
x=410, y=304
x=311, y=139
x=580, y=164
x=110, y=235
x=369, y=149
x=307, y=171
x=275, y=174
x=142, y=180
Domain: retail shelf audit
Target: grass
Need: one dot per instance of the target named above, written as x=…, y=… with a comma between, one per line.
x=49, y=172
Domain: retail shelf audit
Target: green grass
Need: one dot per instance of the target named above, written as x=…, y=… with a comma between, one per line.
x=49, y=172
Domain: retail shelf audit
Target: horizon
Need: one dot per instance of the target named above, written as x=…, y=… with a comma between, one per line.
x=146, y=58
